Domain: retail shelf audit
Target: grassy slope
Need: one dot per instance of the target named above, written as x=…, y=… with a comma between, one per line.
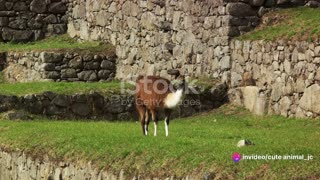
x=288, y=24
x=61, y=42
x=61, y=87
x=195, y=144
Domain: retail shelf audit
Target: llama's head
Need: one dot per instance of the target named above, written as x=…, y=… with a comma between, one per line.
x=179, y=81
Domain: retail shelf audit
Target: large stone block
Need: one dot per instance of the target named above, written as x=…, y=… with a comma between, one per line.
x=68, y=73
x=51, y=57
x=16, y=35
x=250, y=96
x=310, y=99
x=58, y=8
x=38, y=6
x=18, y=24
x=241, y=9
x=4, y=21
x=81, y=109
x=87, y=76
x=20, y=6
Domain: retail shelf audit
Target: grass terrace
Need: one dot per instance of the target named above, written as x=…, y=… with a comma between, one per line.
x=299, y=23
x=20, y=89
x=61, y=43
x=195, y=145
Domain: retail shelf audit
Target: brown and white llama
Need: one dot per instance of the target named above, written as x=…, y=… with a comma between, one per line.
x=154, y=93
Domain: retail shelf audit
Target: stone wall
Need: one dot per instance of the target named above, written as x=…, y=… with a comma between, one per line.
x=276, y=77
x=152, y=36
x=27, y=20
x=58, y=66
x=110, y=106
x=17, y=165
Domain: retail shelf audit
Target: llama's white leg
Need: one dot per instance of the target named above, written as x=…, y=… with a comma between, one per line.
x=155, y=129
x=146, y=129
x=166, y=127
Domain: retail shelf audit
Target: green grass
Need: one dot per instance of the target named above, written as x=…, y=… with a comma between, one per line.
x=299, y=23
x=61, y=87
x=61, y=43
x=195, y=145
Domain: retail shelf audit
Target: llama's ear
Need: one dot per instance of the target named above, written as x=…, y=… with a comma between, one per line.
x=174, y=72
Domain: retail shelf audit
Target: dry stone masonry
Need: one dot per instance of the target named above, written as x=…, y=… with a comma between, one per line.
x=58, y=66
x=276, y=77
x=152, y=36
x=17, y=165
x=110, y=106
x=26, y=20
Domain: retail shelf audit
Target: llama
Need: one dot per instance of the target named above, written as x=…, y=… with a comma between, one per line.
x=154, y=93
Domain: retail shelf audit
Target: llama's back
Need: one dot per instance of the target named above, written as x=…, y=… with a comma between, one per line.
x=151, y=91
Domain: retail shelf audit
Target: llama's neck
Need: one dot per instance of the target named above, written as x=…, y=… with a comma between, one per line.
x=173, y=99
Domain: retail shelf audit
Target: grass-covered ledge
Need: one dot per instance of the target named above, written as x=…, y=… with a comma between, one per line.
x=301, y=23
x=58, y=58
x=59, y=43
x=20, y=89
x=196, y=145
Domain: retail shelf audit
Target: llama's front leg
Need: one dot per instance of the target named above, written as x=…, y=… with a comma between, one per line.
x=167, y=120
x=166, y=123
x=155, y=128
x=147, y=121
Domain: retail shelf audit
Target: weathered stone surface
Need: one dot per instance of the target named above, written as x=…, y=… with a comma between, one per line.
x=68, y=73
x=18, y=24
x=4, y=21
x=76, y=63
x=52, y=75
x=81, y=109
x=16, y=35
x=17, y=115
x=250, y=94
x=92, y=65
x=2, y=8
x=49, y=57
x=257, y=2
x=309, y=100
x=104, y=74
x=38, y=6
x=284, y=105
x=50, y=19
x=105, y=64
x=48, y=67
x=240, y=9
x=20, y=6
x=58, y=7
x=260, y=106
x=88, y=76
x=61, y=100
x=270, y=3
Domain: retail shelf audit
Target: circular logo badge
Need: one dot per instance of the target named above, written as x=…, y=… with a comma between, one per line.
x=236, y=157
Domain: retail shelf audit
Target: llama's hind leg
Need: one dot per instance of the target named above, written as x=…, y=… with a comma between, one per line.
x=155, y=121
x=142, y=111
x=167, y=113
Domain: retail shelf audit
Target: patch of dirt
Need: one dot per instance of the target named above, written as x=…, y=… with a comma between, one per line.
x=272, y=18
